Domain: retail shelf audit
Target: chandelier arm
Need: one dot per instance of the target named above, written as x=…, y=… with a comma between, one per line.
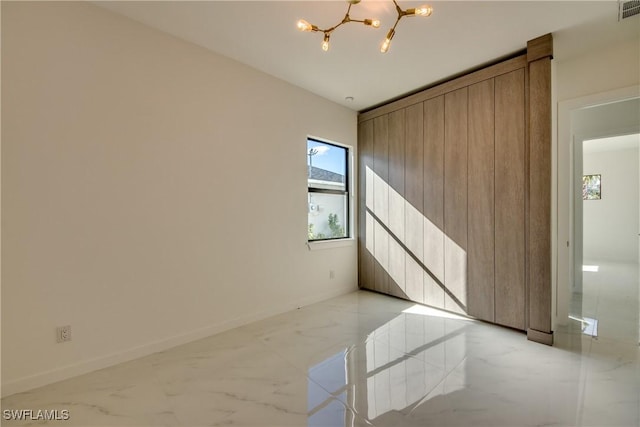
x=396, y=23
x=345, y=20
x=398, y=8
x=330, y=29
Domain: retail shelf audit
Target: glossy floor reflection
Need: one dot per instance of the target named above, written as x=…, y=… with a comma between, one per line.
x=358, y=360
x=610, y=297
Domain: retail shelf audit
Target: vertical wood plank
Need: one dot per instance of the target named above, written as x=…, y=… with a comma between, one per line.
x=455, y=199
x=510, y=195
x=434, y=161
x=396, y=150
x=396, y=224
x=539, y=236
x=381, y=202
x=414, y=193
x=481, y=247
x=365, y=234
x=433, y=201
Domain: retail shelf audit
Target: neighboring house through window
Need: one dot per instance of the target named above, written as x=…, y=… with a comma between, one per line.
x=328, y=195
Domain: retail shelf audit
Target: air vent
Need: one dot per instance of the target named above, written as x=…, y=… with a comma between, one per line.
x=628, y=8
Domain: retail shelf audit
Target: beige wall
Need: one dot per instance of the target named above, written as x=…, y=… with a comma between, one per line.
x=152, y=192
x=599, y=70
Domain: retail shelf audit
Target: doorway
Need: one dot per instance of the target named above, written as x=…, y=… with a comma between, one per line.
x=607, y=303
x=604, y=297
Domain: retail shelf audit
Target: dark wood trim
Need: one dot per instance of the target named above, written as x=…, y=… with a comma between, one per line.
x=541, y=47
x=458, y=83
x=539, y=236
x=527, y=172
x=540, y=337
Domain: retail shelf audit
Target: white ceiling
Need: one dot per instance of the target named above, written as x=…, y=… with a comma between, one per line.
x=459, y=36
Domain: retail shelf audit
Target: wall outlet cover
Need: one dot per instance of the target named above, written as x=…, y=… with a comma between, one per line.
x=63, y=333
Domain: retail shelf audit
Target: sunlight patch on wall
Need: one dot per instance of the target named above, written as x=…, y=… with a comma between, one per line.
x=413, y=251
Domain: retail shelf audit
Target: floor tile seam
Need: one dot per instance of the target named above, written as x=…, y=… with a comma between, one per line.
x=444, y=378
x=344, y=402
x=415, y=357
x=348, y=407
x=299, y=368
x=333, y=395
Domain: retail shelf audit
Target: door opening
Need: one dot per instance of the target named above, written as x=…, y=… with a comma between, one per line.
x=607, y=193
x=604, y=297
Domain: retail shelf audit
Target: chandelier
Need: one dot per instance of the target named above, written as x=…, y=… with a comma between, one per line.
x=374, y=23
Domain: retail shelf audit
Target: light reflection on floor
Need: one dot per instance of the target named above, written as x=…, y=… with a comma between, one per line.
x=359, y=360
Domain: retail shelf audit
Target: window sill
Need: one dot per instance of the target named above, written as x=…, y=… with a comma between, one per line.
x=331, y=244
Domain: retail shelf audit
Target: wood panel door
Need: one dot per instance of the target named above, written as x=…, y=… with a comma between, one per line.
x=433, y=202
x=365, y=200
x=455, y=200
x=414, y=219
x=510, y=199
x=481, y=243
x=396, y=226
x=381, y=203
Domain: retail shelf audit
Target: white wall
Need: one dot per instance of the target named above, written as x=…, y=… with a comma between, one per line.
x=134, y=166
x=604, y=71
x=611, y=224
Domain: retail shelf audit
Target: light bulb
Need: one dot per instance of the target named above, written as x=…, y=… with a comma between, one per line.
x=375, y=23
x=385, y=46
x=387, y=41
x=325, y=43
x=424, y=10
x=304, y=25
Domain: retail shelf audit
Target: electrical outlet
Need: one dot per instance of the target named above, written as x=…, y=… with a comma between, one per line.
x=332, y=274
x=63, y=333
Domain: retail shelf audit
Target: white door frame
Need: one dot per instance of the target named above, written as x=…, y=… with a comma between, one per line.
x=562, y=181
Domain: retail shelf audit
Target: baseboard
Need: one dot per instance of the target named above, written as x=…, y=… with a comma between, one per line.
x=540, y=337
x=48, y=377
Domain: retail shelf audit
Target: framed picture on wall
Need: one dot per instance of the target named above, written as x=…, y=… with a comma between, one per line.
x=591, y=187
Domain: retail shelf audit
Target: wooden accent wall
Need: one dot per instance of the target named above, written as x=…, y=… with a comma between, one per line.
x=455, y=194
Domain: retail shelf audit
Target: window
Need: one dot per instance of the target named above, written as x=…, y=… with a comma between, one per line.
x=328, y=195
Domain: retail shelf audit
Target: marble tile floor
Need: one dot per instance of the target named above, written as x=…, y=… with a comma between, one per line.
x=611, y=297
x=361, y=359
